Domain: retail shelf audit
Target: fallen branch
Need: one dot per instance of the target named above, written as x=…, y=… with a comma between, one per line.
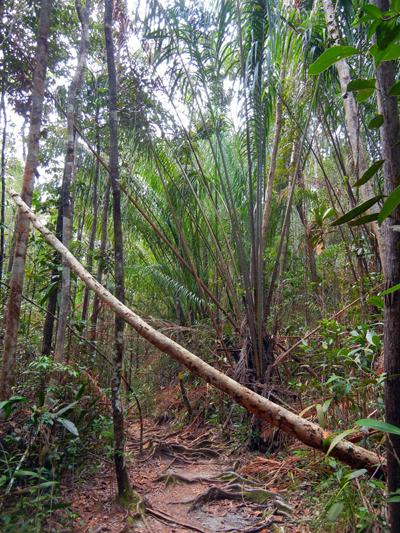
x=304, y=430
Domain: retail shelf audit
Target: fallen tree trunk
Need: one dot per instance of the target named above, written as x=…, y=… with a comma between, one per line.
x=307, y=432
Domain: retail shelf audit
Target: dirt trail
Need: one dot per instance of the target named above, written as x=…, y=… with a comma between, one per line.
x=174, y=471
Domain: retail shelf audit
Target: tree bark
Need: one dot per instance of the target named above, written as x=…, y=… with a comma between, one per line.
x=124, y=488
x=48, y=326
x=3, y=176
x=101, y=264
x=309, y=248
x=357, y=146
x=69, y=167
x=271, y=174
x=302, y=429
x=390, y=137
x=13, y=310
x=86, y=296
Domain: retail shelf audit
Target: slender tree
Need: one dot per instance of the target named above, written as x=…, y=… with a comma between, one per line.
x=69, y=166
x=357, y=145
x=390, y=138
x=22, y=226
x=3, y=176
x=124, y=488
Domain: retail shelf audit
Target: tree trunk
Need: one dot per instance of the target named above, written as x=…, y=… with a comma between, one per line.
x=124, y=489
x=390, y=137
x=101, y=263
x=48, y=326
x=357, y=146
x=294, y=169
x=86, y=295
x=69, y=167
x=311, y=265
x=271, y=174
x=304, y=430
x=3, y=177
x=13, y=311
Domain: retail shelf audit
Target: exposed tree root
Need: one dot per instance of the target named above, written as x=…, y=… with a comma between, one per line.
x=171, y=477
x=238, y=492
x=164, y=517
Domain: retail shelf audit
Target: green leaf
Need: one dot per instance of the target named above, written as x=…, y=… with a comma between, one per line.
x=64, y=409
x=46, y=484
x=359, y=84
x=363, y=95
x=356, y=474
x=391, y=202
x=26, y=473
x=391, y=53
x=69, y=426
x=321, y=416
x=335, y=511
x=376, y=301
x=373, y=11
x=335, y=441
x=379, y=425
x=331, y=56
x=394, y=497
x=395, y=90
x=356, y=211
x=390, y=290
x=6, y=405
x=364, y=220
x=376, y=122
x=373, y=169
x=387, y=31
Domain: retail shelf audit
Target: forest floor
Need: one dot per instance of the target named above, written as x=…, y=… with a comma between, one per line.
x=193, y=479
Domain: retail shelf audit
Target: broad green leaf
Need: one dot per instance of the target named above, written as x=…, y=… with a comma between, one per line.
x=373, y=11
x=46, y=484
x=335, y=441
x=69, y=426
x=387, y=32
x=356, y=474
x=391, y=290
x=372, y=338
x=326, y=405
x=364, y=94
x=364, y=220
x=376, y=301
x=379, y=425
x=395, y=90
x=64, y=409
x=391, y=53
x=331, y=56
x=335, y=511
x=321, y=416
x=353, y=213
x=376, y=122
x=6, y=405
x=373, y=169
x=391, y=202
x=359, y=85
x=26, y=473
x=394, y=499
